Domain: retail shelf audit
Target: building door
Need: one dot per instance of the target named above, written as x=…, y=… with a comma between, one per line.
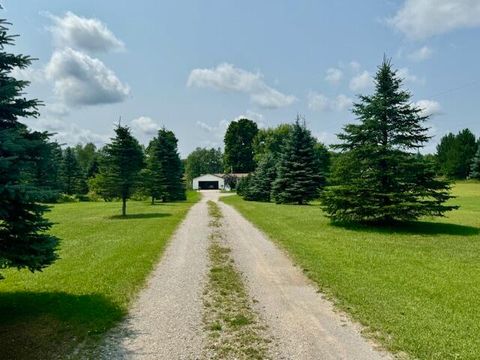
x=208, y=185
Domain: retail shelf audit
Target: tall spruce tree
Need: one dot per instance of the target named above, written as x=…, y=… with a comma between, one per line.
x=119, y=172
x=164, y=168
x=379, y=177
x=475, y=168
x=24, y=241
x=298, y=174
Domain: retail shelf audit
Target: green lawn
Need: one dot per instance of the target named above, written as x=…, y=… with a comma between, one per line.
x=104, y=260
x=416, y=288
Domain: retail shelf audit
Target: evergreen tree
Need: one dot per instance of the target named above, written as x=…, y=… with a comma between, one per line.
x=298, y=175
x=44, y=174
x=475, y=168
x=239, y=146
x=455, y=154
x=324, y=161
x=260, y=185
x=120, y=168
x=164, y=168
x=24, y=241
x=71, y=173
x=379, y=177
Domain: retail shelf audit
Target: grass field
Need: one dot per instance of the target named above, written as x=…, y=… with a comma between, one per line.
x=104, y=260
x=416, y=288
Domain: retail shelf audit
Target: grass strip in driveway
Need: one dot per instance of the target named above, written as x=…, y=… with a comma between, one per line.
x=234, y=329
x=104, y=261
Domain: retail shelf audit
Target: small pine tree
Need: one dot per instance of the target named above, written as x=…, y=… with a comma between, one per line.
x=379, y=177
x=298, y=176
x=475, y=168
x=243, y=185
x=24, y=241
x=71, y=173
x=260, y=185
x=120, y=168
x=164, y=175
x=44, y=173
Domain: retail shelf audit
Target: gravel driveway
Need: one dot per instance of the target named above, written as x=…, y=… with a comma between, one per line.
x=166, y=320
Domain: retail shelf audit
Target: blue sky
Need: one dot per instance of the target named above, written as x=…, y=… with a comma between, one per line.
x=194, y=66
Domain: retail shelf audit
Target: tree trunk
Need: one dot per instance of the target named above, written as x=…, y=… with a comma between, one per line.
x=153, y=200
x=124, y=206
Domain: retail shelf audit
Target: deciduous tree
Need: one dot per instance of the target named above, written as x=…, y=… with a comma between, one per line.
x=238, y=140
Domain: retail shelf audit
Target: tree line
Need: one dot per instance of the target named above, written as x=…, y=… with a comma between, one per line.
x=35, y=170
x=375, y=174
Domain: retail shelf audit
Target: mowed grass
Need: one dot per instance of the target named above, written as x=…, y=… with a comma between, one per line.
x=416, y=288
x=104, y=261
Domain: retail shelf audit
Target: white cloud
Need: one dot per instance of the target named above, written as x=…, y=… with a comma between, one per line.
x=205, y=127
x=254, y=116
x=226, y=77
x=28, y=74
x=325, y=137
x=354, y=65
x=421, y=54
x=68, y=133
x=320, y=102
x=56, y=110
x=82, y=80
x=334, y=76
x=361, y=81
x=342, y=102
x=420, y=19
x=428, y=107
x=145, y=125
x=404, y=73
x=83, y=34
x=218, y=130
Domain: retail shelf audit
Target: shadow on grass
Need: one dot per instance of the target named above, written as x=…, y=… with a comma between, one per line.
x=139, y=216
x=51, y=325
x=413, y=228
